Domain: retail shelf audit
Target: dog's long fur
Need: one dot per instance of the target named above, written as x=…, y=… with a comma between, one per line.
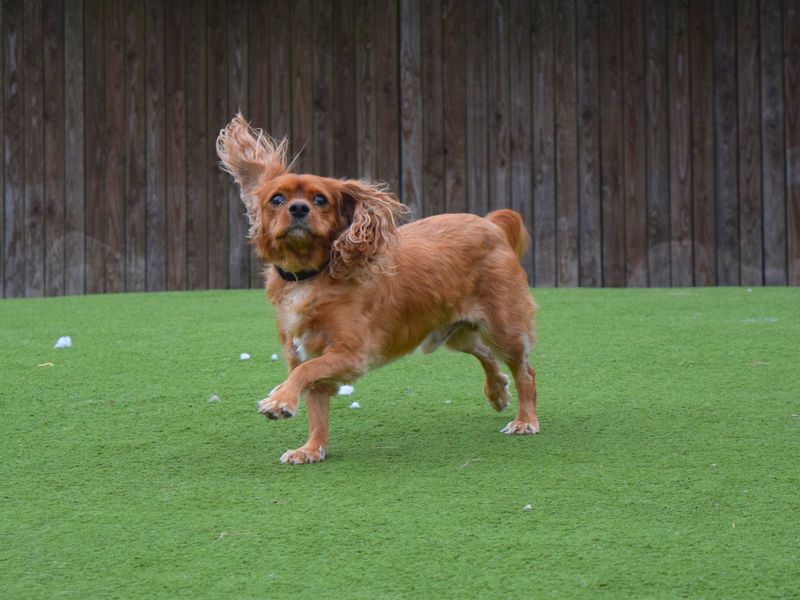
x=355, y=290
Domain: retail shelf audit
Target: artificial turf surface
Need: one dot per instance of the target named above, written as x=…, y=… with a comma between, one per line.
x=667, y=465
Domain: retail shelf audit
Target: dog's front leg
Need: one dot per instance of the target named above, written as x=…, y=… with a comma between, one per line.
x=317, y=402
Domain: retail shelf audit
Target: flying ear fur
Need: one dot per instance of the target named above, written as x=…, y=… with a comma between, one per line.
x=251, y=157
x=373, y=214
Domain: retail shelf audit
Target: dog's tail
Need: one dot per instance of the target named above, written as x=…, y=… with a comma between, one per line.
x=513, y=227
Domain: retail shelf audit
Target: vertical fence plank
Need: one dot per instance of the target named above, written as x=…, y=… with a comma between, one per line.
x=113, y=172
x=302, y=90
x=258, y=101
x=322, y=101
x=634, y=123
x=53, y=23
x=658, y=209
x=387, y=95
x=566, y=145
x=432, y=109
x=2, y=161
x=96, y=208
x=411, y=106
x=681, y=268
x=611, y=144
x=520, y=118
x=791, y=62
x=156, y=147
x=477, y=106
x=544, y=191
x=14, y=148
x=772, y=143
x=725, y=145
x=749, y=144
x=280, y=75
x=344, y=91
x=218, y=116
x=135, y=176
x=497, y=115
x=34, y=150
x=175, y=36
x=454, y=75
x=74, y=250
x=590, y=255
x=197, y=140
x=702, y=117
x=239, y=273
x=366, y=123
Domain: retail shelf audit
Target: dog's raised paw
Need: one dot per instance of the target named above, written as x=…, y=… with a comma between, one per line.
x=273, y=408
x=304, y=455
x=497, y=393
x=517, y=427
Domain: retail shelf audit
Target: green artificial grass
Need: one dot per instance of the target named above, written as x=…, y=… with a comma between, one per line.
x=667, y=465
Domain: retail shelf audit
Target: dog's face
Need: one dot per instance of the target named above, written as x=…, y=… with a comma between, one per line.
x=305, y=222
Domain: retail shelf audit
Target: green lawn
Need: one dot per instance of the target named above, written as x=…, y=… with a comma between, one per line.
x=667, y=465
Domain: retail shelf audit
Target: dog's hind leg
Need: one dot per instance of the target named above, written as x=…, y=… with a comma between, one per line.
x=495, y=388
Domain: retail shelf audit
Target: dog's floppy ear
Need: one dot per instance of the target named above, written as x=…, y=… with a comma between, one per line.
x=251, y=156
x=371, y=214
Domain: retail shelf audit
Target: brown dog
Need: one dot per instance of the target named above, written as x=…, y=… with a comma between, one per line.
x=354, y=291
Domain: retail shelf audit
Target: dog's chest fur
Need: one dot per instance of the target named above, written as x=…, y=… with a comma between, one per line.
x=296, y=317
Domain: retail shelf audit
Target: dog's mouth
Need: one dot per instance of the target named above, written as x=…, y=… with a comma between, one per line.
x=297, y=231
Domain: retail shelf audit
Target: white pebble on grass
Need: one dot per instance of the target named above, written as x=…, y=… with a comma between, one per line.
x=346, y=390
x=213, y=398
x=355, y=405
x=244, y=356
x=527, y=507
x=274, y=357
x=63, y=342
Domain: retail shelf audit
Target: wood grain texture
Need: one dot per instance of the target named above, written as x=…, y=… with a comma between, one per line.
x=454, y=75
x=726, y=186
x=135, y=148
x=749, y=144
x=366, y=102
x=74, y=207
x=680, y=158
x=14, y=149
x=34, y=150
x=113, y=172
x=54, y=258
x=477, y=109
x=497, y=117
x=702, y=116
x=611, y=144
x=322, y=101
x=590, y=254
x=197, y=141
x=258, y=100
x=218, y=116
x=543, y=225
x=387, y=93
x=520, y=162
x=432, y=109
x=344, y=90
x=791, y=45
x=566, y=131
x=772, y=143
x=302, y=86
x=411, y=139
x=155, y=141
x=2, y=162
x=657, y=144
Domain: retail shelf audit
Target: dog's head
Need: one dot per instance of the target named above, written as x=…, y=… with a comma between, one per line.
x=306, y=222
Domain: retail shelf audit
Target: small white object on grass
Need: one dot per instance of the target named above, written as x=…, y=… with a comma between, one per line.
x=213, y=398
x=345, y=390
x=355, y=405
x=448, y=401
x=527, y=507
x=244, y=356
x=274, y=357
x=63, y=342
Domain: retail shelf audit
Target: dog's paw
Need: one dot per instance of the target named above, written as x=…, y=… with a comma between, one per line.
x=496, y=392
x=303, y=455
x=517, y=427
x=275, y=406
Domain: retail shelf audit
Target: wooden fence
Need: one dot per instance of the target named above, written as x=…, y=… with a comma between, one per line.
x=646, y=143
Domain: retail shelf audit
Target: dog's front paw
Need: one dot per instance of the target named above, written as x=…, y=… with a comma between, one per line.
x=496, y=392
x=276, y=406
x=303, y=455
x=517, y=427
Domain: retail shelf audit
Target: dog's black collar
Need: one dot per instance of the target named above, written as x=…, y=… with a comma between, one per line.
x=299, y=276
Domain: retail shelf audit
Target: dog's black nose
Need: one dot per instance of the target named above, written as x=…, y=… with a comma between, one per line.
x=299, y=210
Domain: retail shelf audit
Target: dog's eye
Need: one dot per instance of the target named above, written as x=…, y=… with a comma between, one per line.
x=320, y=200
x=277, y=200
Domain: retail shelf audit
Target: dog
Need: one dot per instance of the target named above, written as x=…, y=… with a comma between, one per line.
x=354, y=290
